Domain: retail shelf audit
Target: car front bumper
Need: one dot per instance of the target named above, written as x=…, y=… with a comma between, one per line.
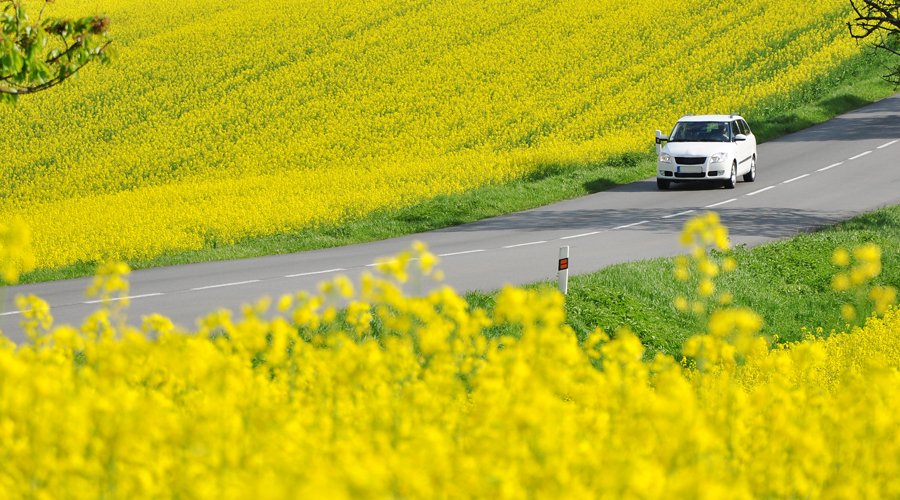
x=678, y=173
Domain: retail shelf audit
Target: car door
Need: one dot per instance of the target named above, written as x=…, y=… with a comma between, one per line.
x=744, y=148
x=751, y=139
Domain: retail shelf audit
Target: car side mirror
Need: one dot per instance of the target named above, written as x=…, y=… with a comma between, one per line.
x=660, y=137
x=740, y=137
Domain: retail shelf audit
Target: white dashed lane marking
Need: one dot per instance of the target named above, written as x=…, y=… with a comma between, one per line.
x=678, y=214
x=720, y=203
x=889, y=144
x=114, y=299
x=10, y=313
x=760, y=191
x=312, y=273
x=386, y=262
x=859, y=155
x=224, y=285
x=795, y=178
x=459, y=253
x=580, y=235
x=829, y=167
x=631, y=225
x=525, y=244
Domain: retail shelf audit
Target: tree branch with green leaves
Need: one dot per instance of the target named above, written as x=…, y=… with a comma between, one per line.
x=879, y=20
x=39, y=53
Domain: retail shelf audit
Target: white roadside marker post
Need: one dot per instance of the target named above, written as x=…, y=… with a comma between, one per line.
x=562, y=273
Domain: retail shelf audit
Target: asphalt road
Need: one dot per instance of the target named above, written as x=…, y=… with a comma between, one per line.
x=813, y=178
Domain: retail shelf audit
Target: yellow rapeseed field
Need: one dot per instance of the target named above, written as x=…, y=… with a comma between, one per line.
x=398, y=396
x=223, y=119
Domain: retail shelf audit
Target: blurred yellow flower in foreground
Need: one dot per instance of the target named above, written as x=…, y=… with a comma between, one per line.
x=16, y=254
x=371, y=392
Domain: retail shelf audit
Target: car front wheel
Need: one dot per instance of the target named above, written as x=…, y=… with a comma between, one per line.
x=751, y=175
x=732, y=180
x=662, y=184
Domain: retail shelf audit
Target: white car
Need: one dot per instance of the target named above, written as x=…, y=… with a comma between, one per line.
x=706, y=148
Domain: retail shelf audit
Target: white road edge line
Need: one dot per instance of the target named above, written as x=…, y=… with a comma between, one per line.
x=760, y=191
x=113, y=299
x=895, y=141
x=795, y=178
x=631, y=225
x=580, y=235
x=10, y=313
x=335, y=270
x=679, y=213
x=459, y=253
x=829, y=167
x=525, y=244
x=720, y=203
x=859, y=155
x=224, y=285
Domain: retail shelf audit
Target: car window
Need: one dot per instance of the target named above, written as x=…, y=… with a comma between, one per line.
x=746, y=127
x=701, y=132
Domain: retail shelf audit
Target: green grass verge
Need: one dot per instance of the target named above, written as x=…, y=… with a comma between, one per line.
x=853, y=84
x=787, y=282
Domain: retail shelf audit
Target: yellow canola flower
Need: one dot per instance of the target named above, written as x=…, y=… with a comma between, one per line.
x=729, y=264
x=867, y=253
x=735, y=321
x=110, y=279
x=36, y=315
x=359, y=317
x=16, y=254
x=840, y=282
x=707, y=241
x=840, y=257
x=848, y=312
x=427, y=261
x=883, y=297
x=344, y=287
x=708, y=268
x=864, y=267
x=698, y=307
x=158, y=324
x=285, y=303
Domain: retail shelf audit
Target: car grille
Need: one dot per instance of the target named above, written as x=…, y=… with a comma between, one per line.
x=690, y=176
x=682, y=160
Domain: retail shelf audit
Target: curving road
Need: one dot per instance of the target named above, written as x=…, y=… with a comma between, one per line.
x=813, y=178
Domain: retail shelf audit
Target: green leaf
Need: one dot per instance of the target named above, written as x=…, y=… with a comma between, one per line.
x=32, y=54
x=7, y=98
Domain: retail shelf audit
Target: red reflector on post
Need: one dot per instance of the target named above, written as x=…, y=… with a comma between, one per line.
x=563, y=264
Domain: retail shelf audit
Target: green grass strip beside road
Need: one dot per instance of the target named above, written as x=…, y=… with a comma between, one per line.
x=854, y=84
x=787, y=282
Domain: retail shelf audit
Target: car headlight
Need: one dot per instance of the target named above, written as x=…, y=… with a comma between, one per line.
x=665, y=158
x=718, y=157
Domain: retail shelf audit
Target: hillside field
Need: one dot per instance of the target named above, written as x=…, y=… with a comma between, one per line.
x=221, y=121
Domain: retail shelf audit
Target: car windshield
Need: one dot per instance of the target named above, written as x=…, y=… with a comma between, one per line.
x=701, y=132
